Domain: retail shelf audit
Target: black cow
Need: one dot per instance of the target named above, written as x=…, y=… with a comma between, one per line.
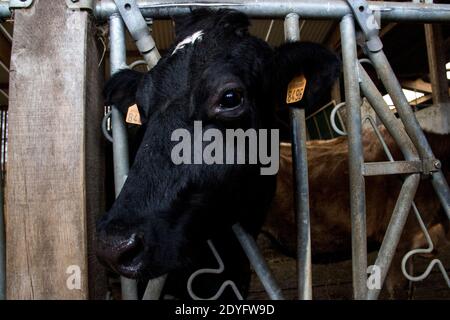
x=226, y=78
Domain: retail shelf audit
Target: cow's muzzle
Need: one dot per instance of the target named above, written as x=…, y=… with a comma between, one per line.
x=124, y=255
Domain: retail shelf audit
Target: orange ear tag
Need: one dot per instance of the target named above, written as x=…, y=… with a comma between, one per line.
x=133, y=115
x=296, y=89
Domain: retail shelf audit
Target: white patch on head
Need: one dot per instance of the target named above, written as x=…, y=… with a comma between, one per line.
x=189, y=40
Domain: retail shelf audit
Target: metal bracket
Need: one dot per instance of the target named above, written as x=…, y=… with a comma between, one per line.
x=20, y=4
x=423, y=1
x=137, y=25
x=369, y=23
x=88, y=5
x=431, y=165
x=425, y=167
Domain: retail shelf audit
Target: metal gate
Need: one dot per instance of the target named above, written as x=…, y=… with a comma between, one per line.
x=356, y=17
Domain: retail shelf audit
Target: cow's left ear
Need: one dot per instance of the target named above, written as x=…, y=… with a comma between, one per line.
x=124, y=89
x=319, y=66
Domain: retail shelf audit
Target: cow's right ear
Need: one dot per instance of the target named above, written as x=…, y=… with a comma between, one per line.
x=121, y=90
x=319, y=66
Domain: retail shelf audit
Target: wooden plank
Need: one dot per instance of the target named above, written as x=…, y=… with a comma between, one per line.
x=54, y=181
x=95, y=158
x=418, y=85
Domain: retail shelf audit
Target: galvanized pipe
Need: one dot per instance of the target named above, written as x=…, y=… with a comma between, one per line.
x=307, y=9
x=387, y=117
x=356, y=160
x=119, y=131
x=394, y=230
x=301, y=188
x=154, y=288
x=381, y=168
x=4, y=10
x=139, y=30
x=412, y=126
x=257, y=261
x=118, y=62
x=140, y=33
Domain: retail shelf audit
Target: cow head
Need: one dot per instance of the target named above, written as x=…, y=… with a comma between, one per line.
x=220, y=75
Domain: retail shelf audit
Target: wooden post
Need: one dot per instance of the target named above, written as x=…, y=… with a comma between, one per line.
x=54, y=184
x=436, y=62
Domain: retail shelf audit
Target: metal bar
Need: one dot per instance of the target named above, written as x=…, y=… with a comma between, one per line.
x=269, y=30
x=138, y=29
x=4, y=67
x=4, y=10
x=409, y=188
x=154, y=288
x=316, y=125
x=377, y=133
x=412, y=126
x=301, y=188
x=356, y=160
x=118, y=62
x=327, y=121
x=392, y=124
x=5, y=32
x=388, y=167
x=331, y=103
x=341, y=121
x=307, y=9
x=257, y=261
x=394, y=230
x=4, y=94
x=119, y=131
x=422, y=226
x=331, y=9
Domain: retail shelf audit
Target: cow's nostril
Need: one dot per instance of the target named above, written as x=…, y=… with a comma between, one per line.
x=124, y=256
x=132, y=252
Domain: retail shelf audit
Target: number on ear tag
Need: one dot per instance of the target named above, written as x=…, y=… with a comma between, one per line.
x=133, y=115
x=296, y=89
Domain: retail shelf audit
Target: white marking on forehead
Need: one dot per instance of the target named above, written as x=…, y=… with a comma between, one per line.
x=189, y=40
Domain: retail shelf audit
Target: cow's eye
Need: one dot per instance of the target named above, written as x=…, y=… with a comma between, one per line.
x=231, y=99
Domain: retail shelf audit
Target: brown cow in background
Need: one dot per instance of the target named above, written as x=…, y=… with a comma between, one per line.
x=329, y=202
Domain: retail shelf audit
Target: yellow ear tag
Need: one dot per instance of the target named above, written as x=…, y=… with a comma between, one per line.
x=133, y=115
x=296, y=89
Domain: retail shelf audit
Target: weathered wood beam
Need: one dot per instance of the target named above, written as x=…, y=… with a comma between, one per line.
x=418, y=85
x=436, y=63
x=421, y=100
x=54, y=186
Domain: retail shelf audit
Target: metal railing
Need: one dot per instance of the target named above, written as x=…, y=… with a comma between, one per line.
x=408, y=136
x=330, y=9
x=320, y=124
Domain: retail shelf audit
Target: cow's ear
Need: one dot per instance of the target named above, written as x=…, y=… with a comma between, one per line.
x=319, y=66
x=186, y=24
x=123, y=90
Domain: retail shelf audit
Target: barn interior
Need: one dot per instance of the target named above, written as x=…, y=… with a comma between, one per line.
x=406, y=48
